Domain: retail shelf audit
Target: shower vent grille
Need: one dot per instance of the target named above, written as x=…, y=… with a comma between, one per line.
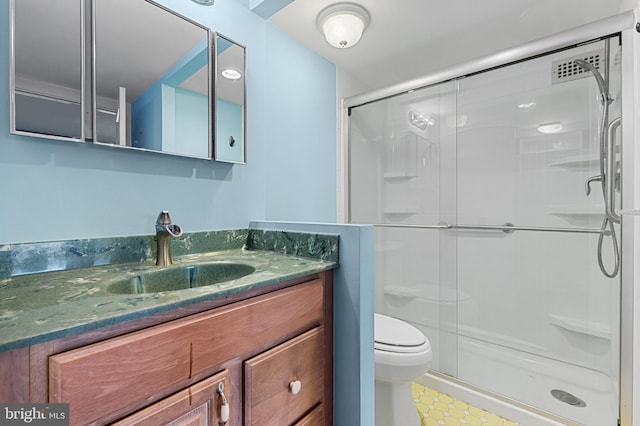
x=566, y=69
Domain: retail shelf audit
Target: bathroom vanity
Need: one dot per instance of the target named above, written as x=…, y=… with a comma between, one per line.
x=259, y=351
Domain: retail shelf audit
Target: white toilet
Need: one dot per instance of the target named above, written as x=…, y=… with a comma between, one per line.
x=402, y=355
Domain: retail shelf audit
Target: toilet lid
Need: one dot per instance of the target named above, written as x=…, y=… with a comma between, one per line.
x=391, y=332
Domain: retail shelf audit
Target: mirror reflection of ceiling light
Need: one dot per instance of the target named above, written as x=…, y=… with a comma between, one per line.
x=527, y=105
x=421, y=121
x=343, y=24
x=231, y=74
x=548, y=128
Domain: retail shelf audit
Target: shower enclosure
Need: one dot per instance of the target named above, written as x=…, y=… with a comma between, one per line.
x=495, y=198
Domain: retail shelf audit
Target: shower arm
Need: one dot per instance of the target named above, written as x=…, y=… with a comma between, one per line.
x=602, y=85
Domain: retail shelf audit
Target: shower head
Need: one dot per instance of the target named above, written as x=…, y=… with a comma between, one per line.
x=602, y=85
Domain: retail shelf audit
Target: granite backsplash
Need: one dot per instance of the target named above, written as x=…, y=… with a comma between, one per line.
x=31, y=258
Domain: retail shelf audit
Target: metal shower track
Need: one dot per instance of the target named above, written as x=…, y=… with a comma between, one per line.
x=560, y=41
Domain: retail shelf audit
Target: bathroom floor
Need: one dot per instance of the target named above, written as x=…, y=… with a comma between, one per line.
x=437, y=409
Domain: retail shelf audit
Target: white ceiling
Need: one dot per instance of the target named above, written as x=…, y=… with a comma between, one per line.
x=410, y=38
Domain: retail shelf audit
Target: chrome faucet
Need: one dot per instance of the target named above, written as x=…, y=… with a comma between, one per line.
x=164, y=231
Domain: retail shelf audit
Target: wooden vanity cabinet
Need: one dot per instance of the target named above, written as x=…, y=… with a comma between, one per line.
x=168, y=373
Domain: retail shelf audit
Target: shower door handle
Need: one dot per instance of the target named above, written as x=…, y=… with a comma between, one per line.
x=610, y=172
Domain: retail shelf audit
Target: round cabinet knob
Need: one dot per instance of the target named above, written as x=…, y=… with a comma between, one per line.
x=295, y=386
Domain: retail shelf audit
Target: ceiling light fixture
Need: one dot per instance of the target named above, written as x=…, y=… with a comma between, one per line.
x=548, y=128
x=204, y=2
x=231, y=74
x=343, y=24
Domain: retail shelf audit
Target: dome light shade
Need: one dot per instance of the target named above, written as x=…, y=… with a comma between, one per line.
x=343, y=24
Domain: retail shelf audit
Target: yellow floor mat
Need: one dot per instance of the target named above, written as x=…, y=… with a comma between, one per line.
x=438, y=409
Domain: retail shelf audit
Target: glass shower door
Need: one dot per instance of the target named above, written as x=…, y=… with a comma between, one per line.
x=397, y=182
x=539, y=323
x=485, y=236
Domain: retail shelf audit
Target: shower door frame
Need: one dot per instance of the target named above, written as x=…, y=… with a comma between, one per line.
x=626, y=24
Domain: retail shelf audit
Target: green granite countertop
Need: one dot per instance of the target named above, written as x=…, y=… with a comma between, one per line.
x=41, y=307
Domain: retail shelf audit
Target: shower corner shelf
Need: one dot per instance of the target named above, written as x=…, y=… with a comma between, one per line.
x=577, y=164
x=577, y=215
x=580, y=326
x=402, y=291
x=398, y=176
x=401, y=211
x=575, y=210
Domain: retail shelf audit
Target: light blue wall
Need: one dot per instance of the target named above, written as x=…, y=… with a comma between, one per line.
x=165, y=110
x=146, y=116
x=52, y=190
x=354, y=371
x=191, y=110
x=304, y=131
x=229, y=117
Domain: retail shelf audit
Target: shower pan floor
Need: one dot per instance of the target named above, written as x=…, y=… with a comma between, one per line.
x=436, y=409
x=530, y=379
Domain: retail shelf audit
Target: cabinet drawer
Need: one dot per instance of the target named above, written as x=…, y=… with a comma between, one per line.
x=248, y=328
x=269, y=399
x=110, y=376
x=314, y=418
x=197, y=405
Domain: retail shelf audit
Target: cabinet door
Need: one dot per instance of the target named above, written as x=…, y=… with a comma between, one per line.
x=198, y=405
x=284, y=383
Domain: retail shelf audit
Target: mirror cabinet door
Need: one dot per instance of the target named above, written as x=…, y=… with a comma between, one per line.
x=148, y=73
x=230, y=89
x=46, y=73
x=152, y=79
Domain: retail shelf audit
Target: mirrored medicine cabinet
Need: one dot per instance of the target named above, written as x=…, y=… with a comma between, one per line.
x=128, y=74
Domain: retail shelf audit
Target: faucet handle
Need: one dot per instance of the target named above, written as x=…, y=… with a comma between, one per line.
x=163, y=218
x=163, y=223
x=174, y=230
